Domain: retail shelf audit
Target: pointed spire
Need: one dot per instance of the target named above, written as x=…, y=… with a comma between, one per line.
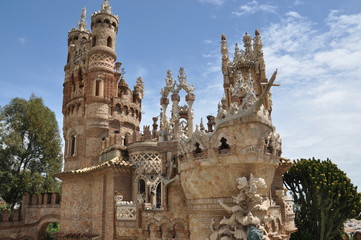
x=106, y=8
x=82, y=22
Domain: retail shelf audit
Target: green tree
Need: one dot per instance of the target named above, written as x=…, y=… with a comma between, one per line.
x=30, y=149
x=324, y=199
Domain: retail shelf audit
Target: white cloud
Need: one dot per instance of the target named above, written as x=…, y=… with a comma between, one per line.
x=317, y=108
x=22, y=40
x=253, y=7
x=215, y=2
x=293, y=14
x=298, y=2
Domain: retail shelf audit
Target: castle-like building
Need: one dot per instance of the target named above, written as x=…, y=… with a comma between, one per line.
x=174, y=179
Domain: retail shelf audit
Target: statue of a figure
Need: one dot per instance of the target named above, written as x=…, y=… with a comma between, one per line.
x=254, y=233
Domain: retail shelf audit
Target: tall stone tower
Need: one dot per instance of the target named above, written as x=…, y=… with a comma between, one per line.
x=101, y=116
x=97, y=102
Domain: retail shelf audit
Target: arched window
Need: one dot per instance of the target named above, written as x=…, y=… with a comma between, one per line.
x=110, y=42
x=126, y=139
x=126, y=112
x=159, y=196
x=72, y=145
x=118, y=109
x=94, y=43
x=80, y=75
x=141, y=186
x=224, y=148
x=98, y=87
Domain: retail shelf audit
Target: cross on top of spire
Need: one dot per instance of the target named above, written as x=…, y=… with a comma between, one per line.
x=106, y=8
x=82, y=22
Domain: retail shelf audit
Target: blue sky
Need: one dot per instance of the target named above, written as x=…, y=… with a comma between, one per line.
x=314, y=44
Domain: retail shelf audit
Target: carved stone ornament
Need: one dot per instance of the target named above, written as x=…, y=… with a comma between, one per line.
x=248, y=216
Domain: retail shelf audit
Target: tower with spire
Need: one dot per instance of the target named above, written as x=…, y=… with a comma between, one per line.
x=101, y=116
x=178, y=181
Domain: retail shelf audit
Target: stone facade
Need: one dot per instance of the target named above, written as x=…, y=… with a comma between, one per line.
x=29, y=223
x=174, y=180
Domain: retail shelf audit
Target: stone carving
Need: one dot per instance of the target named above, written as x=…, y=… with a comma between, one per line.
x=146, y=163
x=126, y=210
x=106, y=8
x=101, y=60
x=139, y=88
x=82, y=22
x=173, y=126
x=248, y=217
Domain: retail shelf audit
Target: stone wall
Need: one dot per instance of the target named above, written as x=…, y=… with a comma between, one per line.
x=29, y=223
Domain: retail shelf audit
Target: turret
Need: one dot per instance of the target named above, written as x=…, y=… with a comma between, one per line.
x=78, y=45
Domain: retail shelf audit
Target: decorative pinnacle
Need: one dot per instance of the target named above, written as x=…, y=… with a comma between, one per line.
x=223, y=38
x=82, y=22
x=106, y=8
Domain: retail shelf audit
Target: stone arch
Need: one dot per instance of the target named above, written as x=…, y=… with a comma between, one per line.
x=158, y=195
x=127, y=139
x=118, y=108
x=153, y=229
x=72, y=143
x=107, y=21
x=180, y=221
x=125, y=110
x=166, y=229
x=110, y=42
x=94, y=41
x=114, y=26
x=180, y=229
x=43, y=223
x=218, y=143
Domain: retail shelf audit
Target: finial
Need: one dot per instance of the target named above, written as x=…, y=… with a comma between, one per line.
x=223, y=38
x=169, y=79
x=236, y=51
x=182, y=78
x=202, y=125
x=82, y=22
x=106, y=8
x=117, y=67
